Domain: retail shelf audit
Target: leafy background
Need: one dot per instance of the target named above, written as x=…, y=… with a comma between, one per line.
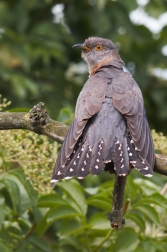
x=38, y=64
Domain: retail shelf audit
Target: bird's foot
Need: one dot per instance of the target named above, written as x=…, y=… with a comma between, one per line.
x=116, y=219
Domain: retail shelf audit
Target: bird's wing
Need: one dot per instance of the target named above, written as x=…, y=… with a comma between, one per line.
x=88, y=104
x=127, y=98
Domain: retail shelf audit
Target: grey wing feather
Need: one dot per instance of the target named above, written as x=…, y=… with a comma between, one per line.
x=127, y=98
x=88, y=104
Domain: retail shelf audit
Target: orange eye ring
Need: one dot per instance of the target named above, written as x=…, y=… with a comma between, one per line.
x=99, y=47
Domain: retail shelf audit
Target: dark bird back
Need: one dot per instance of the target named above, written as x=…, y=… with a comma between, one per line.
x=110, y=127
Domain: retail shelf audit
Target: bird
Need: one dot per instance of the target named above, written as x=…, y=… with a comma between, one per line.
x=110, y=129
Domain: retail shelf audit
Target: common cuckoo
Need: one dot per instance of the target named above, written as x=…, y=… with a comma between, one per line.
x=110, y=128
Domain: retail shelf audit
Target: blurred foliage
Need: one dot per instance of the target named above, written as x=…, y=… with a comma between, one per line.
x=35, y=154
x=37, y=62
x=72, y=218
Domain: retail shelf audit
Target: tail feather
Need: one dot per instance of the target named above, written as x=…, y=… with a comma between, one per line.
x=97, y=162
x=120, y=158
x=139, y=163
x=83, y=167
x=71, y=166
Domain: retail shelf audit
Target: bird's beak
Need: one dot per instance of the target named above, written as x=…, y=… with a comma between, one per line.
x=82, y=46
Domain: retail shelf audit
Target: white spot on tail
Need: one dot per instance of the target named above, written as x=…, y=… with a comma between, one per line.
x=96, y=167
x=132, y=141
x=133, y=162
x=54, y=181
x=71, y=169
x=82, y=169
x=84, y=162
x=75, y=163
x=130, y=154
x=90, y=149
x=97, y=160
x=128, y=148
x=122, y=166
x=148, y=175
x=59, y=173
x=66, y=178
x=107, y=161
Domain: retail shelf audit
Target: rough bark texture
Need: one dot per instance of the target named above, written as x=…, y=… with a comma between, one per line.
x=38, y=120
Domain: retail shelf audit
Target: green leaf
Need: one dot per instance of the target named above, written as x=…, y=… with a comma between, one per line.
x=99, y=222
x=54, y=214
x=5, y=236
x=4, y=246
x=136, y=218
x=65, y=116
x=127, y=241
x=156, y=199
x=74, y=190
x=33, y=195
x=2, y=215
x=1, y=185
x=149, y=212
x=132, y=190
x=51, y=200
x=40, y=243
x=28, y=196
x=72, y=227
x=100, y=202
x=13, y=191
x=146, y=185
x=61, y=213
x=2, y=200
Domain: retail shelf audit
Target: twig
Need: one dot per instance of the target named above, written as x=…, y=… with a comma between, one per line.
x=164, y=189
x=103, y=241
x=29, y=232
x=125, y=207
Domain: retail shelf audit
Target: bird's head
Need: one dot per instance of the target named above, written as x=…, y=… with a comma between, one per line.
x=98, y=52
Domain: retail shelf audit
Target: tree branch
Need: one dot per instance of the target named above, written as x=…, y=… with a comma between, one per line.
x=36, y=120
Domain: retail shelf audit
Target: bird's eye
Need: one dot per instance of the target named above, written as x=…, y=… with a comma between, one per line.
x=99, y=47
